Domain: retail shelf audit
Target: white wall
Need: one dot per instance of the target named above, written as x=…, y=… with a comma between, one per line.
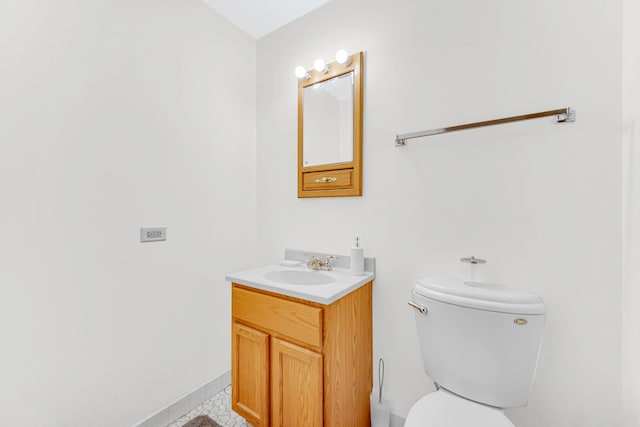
x=118, y=114
x=541, y=202
x=631, y=215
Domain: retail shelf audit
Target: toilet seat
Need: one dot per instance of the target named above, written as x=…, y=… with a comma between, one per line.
x=445, y=409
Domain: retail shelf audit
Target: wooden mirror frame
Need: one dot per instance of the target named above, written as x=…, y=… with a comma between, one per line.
x=336, y=179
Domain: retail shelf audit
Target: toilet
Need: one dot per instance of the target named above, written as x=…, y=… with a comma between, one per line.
x=480, y=344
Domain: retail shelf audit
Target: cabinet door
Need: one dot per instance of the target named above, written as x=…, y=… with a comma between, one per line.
x=250, y=374
x=296, y=386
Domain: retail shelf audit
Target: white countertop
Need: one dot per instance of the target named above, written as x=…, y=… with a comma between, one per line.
x=344, y=283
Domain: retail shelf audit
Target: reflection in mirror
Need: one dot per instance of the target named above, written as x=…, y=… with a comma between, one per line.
x=328, y=121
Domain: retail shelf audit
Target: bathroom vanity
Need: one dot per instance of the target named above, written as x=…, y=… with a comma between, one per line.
x=301, y=355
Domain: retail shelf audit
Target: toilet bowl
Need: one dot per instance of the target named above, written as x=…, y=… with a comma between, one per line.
x=480, y=344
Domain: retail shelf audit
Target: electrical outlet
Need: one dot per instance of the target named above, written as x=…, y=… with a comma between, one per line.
x=153, y=234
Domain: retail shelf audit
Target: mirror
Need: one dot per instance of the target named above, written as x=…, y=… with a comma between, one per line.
x=330, y=131
x=328, y=121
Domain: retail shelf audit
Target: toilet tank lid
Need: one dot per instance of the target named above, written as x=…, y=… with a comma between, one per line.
x=483, y=296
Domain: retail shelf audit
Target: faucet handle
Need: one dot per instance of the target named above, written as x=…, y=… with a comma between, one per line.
x=327, y=262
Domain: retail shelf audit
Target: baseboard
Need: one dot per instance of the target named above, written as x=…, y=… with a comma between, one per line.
x=186, y=403
x=396, y=420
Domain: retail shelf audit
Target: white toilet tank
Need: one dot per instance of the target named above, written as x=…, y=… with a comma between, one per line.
x=480, y=341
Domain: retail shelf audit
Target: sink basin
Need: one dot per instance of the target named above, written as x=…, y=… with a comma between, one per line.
x=299, y=277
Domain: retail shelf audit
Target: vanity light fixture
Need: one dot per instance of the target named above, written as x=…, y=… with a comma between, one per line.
x=321, y=66
x=343, y=58
x=301, y=73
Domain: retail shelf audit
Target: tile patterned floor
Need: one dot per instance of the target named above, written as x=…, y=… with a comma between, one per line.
x=218, y=408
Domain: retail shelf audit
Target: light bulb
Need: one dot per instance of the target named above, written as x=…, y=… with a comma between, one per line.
x=301, y=73
x=320, y=66
x=343, y=58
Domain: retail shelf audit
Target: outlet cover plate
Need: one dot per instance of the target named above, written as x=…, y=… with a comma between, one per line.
x=153, y=234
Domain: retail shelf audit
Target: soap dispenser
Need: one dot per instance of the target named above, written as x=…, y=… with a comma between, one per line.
x=357, y=258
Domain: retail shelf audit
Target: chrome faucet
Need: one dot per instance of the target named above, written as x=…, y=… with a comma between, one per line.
x=320, y=265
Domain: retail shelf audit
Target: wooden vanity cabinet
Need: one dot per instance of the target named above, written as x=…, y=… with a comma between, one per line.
x=297, y=363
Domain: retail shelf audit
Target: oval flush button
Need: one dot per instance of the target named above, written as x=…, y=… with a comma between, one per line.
x=520, y=321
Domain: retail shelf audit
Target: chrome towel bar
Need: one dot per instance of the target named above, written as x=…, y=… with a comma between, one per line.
x=563, y=115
